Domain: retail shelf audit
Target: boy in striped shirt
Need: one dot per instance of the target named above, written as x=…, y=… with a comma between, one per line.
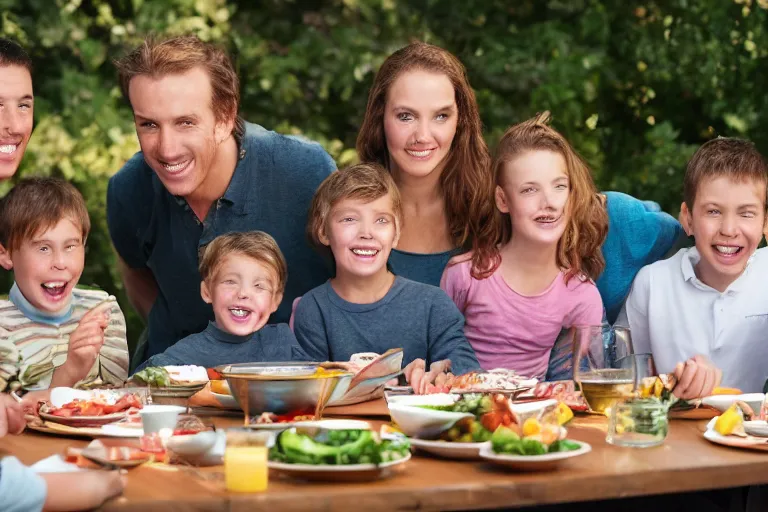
x=52, y=333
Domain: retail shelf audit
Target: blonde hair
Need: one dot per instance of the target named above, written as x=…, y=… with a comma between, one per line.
x=37, y=204
x=579, y=249
x=366, y=182
x=257, y=245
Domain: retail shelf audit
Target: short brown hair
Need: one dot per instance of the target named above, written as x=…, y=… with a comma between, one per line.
x=736, y=159
x=365, y=182
x=254, y=244
x=37, y=204
x=158, y=58
x=466, y=181
x=13, y=54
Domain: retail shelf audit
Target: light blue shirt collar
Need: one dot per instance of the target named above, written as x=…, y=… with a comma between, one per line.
x=31, y=312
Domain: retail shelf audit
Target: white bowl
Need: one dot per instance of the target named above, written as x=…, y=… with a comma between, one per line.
x=723, y=402
x=757, y=428
x=201, y=449
x=526, y=410
x=157, y=417
x=418, y=422
x=434, y=399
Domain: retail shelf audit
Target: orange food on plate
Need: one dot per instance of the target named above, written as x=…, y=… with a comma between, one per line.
x=726, y=391
x=96, y=407
x=220, y=387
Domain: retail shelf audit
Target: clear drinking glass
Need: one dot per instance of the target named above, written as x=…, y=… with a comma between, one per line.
x=245, y=460
x=637, y=422
x=603, y=365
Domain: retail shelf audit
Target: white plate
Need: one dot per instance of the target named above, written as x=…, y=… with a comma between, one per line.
x=335, y=424
x=750, y=442
x=227, y=401
x=434, y=399
x=116, y=430
x=543, y=462
x=449, y=450
x=84, y=421
x=723, y=402
x=339, y=473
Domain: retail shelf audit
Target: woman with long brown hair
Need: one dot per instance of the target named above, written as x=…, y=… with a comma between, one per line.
x=422, y=124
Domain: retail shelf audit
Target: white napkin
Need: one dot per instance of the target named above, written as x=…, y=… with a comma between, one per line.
x=54, y=464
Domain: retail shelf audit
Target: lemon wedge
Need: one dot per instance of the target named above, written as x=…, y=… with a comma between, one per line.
x=727, y=422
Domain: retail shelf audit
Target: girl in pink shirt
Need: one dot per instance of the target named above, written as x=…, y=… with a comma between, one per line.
x=523, y=285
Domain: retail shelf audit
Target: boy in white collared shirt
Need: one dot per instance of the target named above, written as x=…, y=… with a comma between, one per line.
x=703, y=313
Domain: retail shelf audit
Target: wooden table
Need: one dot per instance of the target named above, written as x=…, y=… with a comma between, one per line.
x=685, y=462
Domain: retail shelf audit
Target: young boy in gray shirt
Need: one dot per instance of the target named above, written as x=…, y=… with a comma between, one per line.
x=243, y=278
x=355, y=219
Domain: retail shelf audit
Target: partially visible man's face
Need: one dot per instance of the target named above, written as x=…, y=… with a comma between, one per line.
x=16, y=109
x=177, y=128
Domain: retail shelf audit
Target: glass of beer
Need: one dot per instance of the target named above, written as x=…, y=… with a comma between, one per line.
x=603, y=365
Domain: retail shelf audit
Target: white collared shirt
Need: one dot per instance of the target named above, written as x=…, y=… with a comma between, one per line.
x=675, y=316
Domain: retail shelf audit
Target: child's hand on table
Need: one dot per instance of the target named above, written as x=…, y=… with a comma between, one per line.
x=82, y=490
x=11, y=416
x=438, y=378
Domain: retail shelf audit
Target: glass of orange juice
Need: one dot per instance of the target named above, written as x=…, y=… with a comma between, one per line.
x=245, y=460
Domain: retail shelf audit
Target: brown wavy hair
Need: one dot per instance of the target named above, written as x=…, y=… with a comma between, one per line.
x=160, y=57
x=579, y=249
x=466, y=181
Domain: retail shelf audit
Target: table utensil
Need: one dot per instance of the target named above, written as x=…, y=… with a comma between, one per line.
x=449, y=450
x=749, y=442
x=282, y=388
x=602, y=365
x=545, y=462
x=155, y=418
x=245, y=460
x=723, y=402
x=638, y=423
x=339, y=473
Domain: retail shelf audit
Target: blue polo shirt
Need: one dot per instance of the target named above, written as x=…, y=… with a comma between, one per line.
x=270, y=190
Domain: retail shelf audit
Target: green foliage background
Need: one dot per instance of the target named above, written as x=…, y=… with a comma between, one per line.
x=635, y=85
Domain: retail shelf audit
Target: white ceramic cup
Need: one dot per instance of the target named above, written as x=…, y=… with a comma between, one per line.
x=156, y=417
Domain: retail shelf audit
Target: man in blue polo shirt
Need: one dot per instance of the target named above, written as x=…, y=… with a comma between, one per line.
x=202, y=172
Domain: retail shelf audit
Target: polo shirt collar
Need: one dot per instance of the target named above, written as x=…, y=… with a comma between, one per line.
x=692, y=257
x=237, y=190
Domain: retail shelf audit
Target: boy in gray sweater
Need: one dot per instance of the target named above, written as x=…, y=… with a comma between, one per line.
x=243, y=278
x=355, y=220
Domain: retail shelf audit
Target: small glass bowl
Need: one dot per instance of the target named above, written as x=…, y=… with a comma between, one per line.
x=638, y=423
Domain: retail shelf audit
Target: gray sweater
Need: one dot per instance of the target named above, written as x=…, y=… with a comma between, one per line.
x=419, y=318
x=212, y=347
